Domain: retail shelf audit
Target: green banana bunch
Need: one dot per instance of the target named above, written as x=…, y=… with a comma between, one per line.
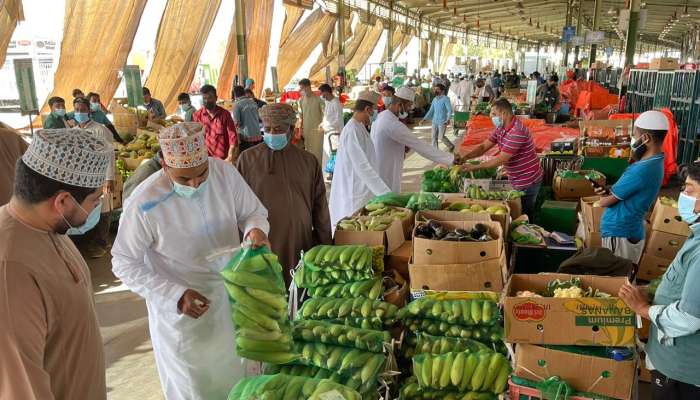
x=309, y=277
x=342, y=335
x=332, y=308
x=440, y=345
x=492, y=333
x=412, y=391
x=365, y=223
x=365, y=389
x=355, y=257
x=286, y=387
x=358, y=364
x=372, y=323
x=464, y=312
x=484, y=371
x=369, y=288
x=259, y=307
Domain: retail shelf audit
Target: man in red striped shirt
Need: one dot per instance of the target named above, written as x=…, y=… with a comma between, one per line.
x=219, y=128
x=517, y=154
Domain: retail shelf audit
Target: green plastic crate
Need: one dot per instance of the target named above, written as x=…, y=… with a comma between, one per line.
x=612, y=168
x=558, y=216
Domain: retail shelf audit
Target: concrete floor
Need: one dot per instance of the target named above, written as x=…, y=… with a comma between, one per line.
x=131, y=370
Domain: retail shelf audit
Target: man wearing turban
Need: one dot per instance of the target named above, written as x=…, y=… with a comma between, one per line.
x=289, y=183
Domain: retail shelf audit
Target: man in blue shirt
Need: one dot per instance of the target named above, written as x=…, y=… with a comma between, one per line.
x=629, y=200
x=674, y=334
x=440, y=113
x=245, y=116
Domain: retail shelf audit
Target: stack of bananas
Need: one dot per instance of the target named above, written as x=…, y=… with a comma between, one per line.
x=254, y=283
x=374, y=217
x=452, y=347
x=339, y=331
x=287, y=387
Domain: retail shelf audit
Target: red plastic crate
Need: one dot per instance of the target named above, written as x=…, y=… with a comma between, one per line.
x=519, y=392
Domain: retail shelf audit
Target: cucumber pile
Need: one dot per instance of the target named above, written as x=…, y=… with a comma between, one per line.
x=253, y=279
x=287, y=387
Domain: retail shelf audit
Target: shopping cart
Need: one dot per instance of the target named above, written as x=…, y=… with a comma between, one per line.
x=333, y=140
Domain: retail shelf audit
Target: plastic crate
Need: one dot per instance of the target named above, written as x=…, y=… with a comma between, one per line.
x=520, y=392
x=460, y=119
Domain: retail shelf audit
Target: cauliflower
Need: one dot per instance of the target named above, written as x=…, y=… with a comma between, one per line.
x=526, y=293
x=570, y=292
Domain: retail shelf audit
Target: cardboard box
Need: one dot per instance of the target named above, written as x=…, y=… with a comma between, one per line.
x=407, y=222
x=504, y=219
x=644, y=373
x=664, y=245
x=605, y=130
x=666, y=219
x=651, y=267
x=592, y=239
x=581, y=321
x=573, y=189
x=399, y=259
x=487, y=275
x=582, y=372
x=664, y=63
x=591, y=215
x=392, y=238
x=444, y=215
x=441, y=252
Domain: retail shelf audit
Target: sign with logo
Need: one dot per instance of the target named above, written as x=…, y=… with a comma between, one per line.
x=568, y=33
x=577, y=40
x=24, y=74
x=595, y=37
x=132, y=80
x=529, y=311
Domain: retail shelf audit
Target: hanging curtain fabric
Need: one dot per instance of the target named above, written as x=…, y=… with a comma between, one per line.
x=424, y=50
x=366, y=48
x=315, y=29
x=292, y=15
x=10, y=13
x=183, y=30
x=350, y=50
x=396, y=39
x=258, y=15
x=330, y=55
x=97, y=38
x=446, y=52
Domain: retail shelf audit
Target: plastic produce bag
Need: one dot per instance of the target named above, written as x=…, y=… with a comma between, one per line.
x=440, y=345
x=412, y=391
x=462, y=312
x=424, y=201
x=280, y=386
x=493, y=333
x=310, y=371
x=369, y=288
x=253, y=279
x=392, y=199
x=320, y=308
x=360, y=365
x=554, y=388
x=325, y=265
x=341, y=335
x=485, y=371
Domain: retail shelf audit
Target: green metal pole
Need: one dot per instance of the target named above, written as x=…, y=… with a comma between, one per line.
x=341, y=37
x=241, y=40
x=578, y=33
x=567, y=48
x=596, y=18
x=631, y=40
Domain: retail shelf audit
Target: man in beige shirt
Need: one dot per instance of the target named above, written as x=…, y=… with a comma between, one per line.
x=311, y=113
x=50, y=343
x=12, y=146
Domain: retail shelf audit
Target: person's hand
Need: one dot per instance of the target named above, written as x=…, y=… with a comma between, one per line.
x=232, y=155
x=258, y=238
x=468, y=167
x=193, y=304
x=71, y=123
x=600, y=191
x=108, y=187
x=635, y=298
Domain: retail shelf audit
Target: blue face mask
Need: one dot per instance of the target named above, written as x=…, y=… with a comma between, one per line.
x=275, y=141
x=60, y=112
x=686, y=208
x=188, y=192
x=373, y=117
x=95, y=106
x=92, y=219
x=497, y=121
x=81, y=117
x=387, y=100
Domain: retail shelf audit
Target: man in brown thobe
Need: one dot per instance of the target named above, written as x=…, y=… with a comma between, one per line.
x=50, y=342
x=289, y=183
x=12, y=146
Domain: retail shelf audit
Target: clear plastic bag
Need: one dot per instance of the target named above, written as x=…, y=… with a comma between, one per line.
x=281, y=386
x=341, y=335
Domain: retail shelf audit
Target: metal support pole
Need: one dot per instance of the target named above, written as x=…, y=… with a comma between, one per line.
x=578, y=32
x=631, y=40
x=567, y=47
x=241, y=40
x=596, y=18
x=390, y=33
x=537, y=59
x=341, y=37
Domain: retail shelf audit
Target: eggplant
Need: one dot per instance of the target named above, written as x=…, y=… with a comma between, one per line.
x=452, y=237
x=423, y=231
